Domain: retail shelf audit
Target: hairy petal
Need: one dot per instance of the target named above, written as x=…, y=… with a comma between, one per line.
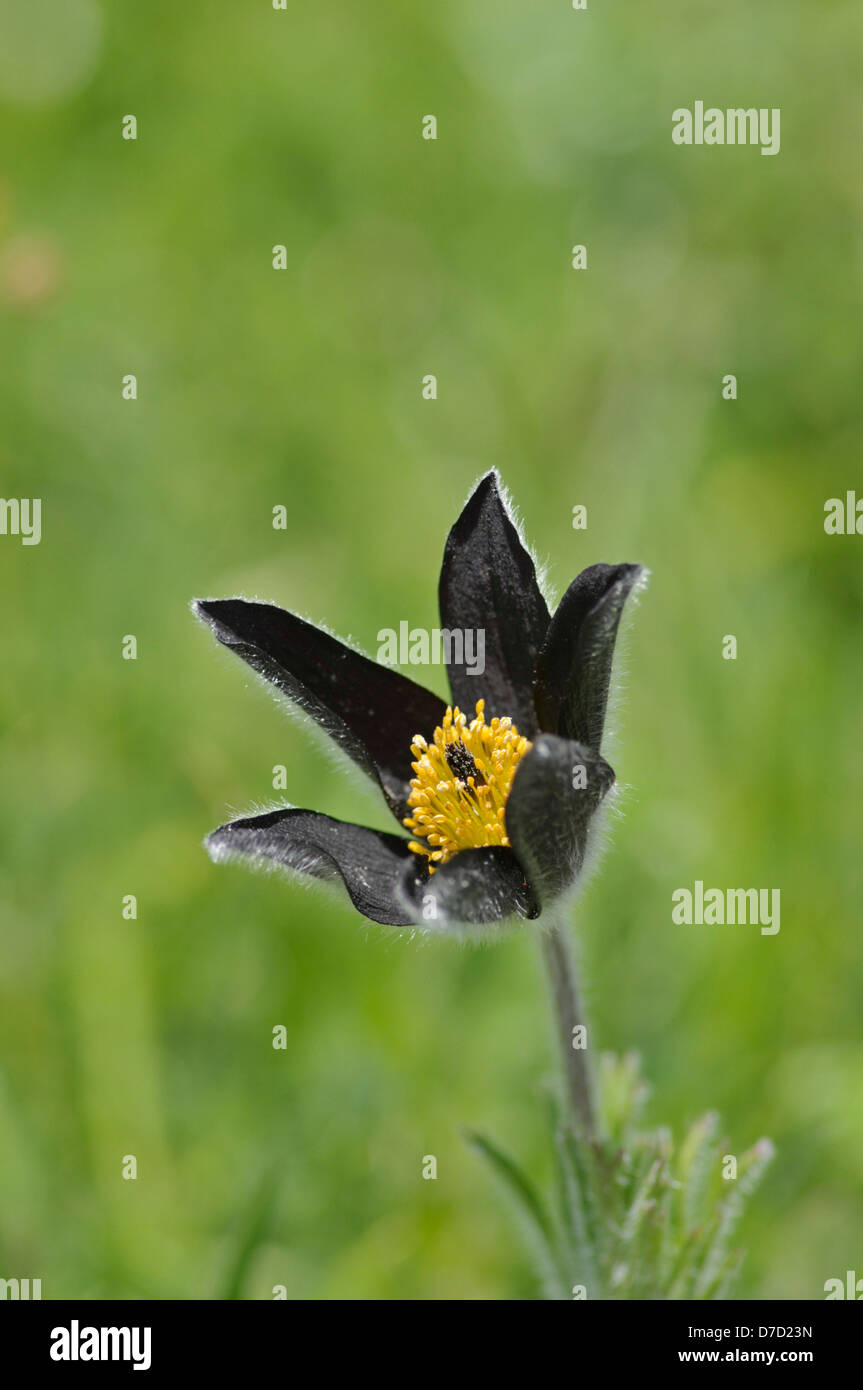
x=369, y=863
x=476, y=886
x=488, y=582
x=371, y=711
x=548, y=813
x=573, y=670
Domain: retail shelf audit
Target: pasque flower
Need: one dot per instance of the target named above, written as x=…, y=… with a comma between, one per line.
x=497, y=790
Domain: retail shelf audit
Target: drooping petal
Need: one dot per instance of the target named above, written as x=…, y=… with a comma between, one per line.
x=573, y=670
x=371, y=711
x=369, y=863
x=556, y=791
x=488, y=584
x=476, y=886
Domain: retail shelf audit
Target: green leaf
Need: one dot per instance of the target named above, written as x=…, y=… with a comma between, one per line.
x=579, y=1212
x=253, y=1230
x=529, y=1210
x=751, y=1169
x=698, y=1157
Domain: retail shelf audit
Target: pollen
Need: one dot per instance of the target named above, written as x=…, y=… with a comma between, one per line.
x=461, y=783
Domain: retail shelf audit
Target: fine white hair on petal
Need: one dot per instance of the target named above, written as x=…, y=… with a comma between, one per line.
x=220, y=853
x=470, y=933
x=328, y=742
x=618, y=689
x=509, y=506
x=348, y=641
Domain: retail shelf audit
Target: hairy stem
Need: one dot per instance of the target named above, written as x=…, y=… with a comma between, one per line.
x=560, y=965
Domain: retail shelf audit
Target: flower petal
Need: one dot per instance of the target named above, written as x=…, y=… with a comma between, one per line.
x=369, y=863
x=548, y=817
x=370, y=710
x=488, y=583
x=476, y=886
x=573, y=670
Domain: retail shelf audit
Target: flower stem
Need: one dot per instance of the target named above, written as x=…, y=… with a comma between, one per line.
x=560, y=965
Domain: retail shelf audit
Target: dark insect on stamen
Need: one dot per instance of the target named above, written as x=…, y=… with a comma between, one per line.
x=462, y=764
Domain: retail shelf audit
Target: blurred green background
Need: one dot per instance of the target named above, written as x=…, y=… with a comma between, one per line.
x=303, y=387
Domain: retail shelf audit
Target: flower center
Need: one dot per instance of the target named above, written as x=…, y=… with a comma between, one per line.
x=463, y=778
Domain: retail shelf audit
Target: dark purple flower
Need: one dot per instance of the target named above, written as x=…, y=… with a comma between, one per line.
x=499, y=803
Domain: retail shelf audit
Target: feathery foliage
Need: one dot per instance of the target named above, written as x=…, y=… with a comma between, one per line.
x=634, y=1215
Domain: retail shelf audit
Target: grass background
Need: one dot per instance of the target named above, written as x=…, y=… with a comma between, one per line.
x=257, y=388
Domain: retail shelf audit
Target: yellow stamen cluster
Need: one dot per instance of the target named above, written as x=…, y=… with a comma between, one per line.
x=458, y=796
